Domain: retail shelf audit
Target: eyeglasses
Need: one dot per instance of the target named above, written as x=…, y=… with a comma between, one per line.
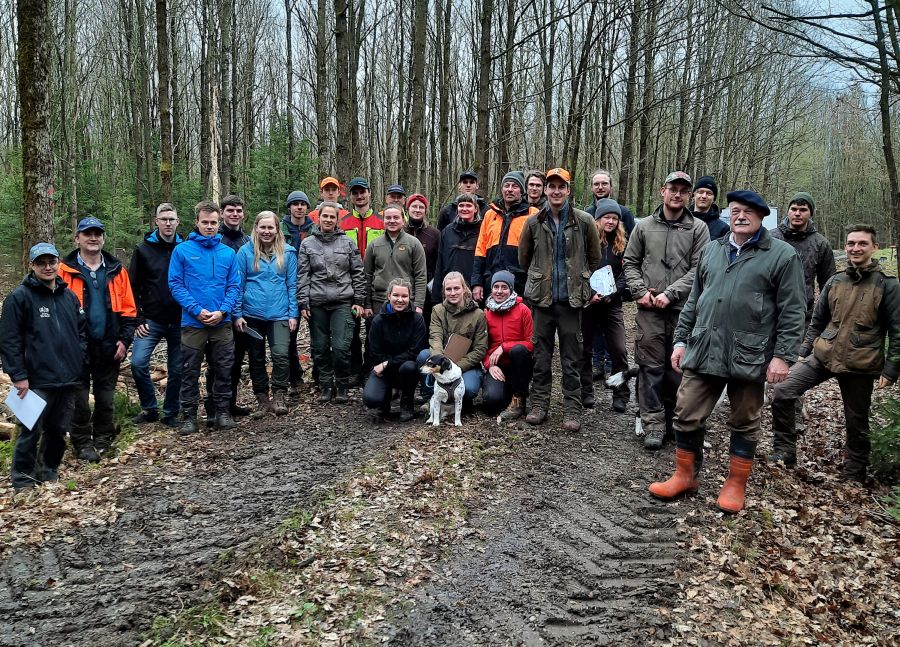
x=167, y=221
x=674, y=191
x=53, y=262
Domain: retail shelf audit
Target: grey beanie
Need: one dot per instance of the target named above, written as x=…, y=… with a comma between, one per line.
x=504, y=276
x=515, y=176
x=803, y=196
x=296, y=196
x=605, y=206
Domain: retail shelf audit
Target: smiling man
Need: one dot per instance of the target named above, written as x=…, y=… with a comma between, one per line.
x=846, y=340
x=659, y=263
x=740, y=327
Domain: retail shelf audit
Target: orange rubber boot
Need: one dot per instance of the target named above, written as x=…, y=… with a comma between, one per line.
x=731, y=498
x=684, y=480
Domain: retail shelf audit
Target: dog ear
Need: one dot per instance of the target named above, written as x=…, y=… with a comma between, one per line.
x=446, y=364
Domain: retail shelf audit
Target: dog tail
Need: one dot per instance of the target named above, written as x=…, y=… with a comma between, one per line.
x=621, y=377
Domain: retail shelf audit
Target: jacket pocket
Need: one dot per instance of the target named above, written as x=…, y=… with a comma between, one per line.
x=748, y=356
x=696, y=349
x=866, y=352
x=534, y=286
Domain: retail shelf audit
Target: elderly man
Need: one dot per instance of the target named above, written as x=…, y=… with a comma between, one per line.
x=740, y=327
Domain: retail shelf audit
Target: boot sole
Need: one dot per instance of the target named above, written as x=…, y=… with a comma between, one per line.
x=681, y=495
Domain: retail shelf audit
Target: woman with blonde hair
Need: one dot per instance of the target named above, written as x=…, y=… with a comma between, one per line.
x=605, y=312
x=268, y=306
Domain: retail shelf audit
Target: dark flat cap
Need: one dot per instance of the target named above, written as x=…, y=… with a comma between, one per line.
x=751, y=199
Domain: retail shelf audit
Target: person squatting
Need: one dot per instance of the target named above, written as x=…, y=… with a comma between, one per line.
x=723, y=304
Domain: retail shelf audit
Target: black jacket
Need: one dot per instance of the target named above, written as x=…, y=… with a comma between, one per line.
x=448, y=212
x=430, y=237
x=627, y=218
x=234, y=238
x=149, y=274
x=396, y=337
x=713, y=219
x=43, y=335
x=609, y=257
x=456, y=254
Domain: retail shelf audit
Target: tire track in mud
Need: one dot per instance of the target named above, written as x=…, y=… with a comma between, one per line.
x=104, y=585
x=574, y=552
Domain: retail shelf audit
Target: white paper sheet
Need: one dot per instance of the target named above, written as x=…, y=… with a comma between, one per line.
x=602, y=281
x=27, y=409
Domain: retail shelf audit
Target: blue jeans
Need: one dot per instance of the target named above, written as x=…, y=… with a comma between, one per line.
x=471, y=378
x=141, y=349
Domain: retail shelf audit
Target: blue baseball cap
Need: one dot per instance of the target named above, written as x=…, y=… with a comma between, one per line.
x=360, y=182
x=90, y=223
x=42, y=249
x=396, y=188
x=751, y=199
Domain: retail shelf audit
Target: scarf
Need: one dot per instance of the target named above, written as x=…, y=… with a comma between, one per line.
x=503, y=306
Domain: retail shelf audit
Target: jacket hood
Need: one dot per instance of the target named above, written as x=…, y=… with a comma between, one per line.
x=793, y=234
x=387, y=310
x=331, y=235
x=499, y=206
x=205, y=241
x=303, y=228
x=154, y=239
x=856, y=274
x=467, y=306
x=34, y=283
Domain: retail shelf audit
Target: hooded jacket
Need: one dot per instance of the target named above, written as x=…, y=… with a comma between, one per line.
x=233, y=238
x=626, y=217
x=119, y=299
x=43, y=335
x=498, y=243
x=330, y=272
x=294, y=235
x=509, y=328
x=743, y=313
x=396, y=337
x=661, y=256
x=203, y=275
x=430, y=237
x=456, y=254
x=149, y=274
x=609, y=257
x=466, y=320
x=267, y=293
x=816, y=256
x=449, y=214
x=713, y=219
x=386, y=260
x=536, y=254
x=856, y=310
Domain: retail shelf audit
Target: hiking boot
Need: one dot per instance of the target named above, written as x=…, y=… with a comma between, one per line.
x=280, y=403
x=654, y=438
x=89, y=454
x=731, y=498
x=588, y=401
x=295, y=388
x=683, y=481
x=170, y=421
x=571, y=424
x=514, y=411
x=537, y=416
x=853, y=472
x=781, y=455
x=376, y=416
x=340, y=395
x=620, y=403
x=263, y=406
x=407, y=412
x=326, y=396
x=237, y=411
x=224, y=421
x=107, y=451
x=145, y=416
x=189, y=426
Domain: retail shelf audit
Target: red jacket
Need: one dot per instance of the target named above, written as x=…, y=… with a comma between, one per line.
x=509, y=328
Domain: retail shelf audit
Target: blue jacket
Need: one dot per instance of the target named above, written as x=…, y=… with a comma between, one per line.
x=269, y=294
x=203, y=274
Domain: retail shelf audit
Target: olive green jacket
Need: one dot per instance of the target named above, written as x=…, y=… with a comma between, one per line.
x=467, y=321
x=741, y=314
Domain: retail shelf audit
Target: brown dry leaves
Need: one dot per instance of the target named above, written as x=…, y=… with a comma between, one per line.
x=811, y=560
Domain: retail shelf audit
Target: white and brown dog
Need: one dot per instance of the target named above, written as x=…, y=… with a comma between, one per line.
x=449, y=389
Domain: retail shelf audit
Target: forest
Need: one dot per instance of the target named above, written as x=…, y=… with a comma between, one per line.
x=135, y=102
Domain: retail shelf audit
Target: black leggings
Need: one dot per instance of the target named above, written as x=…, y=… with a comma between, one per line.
x=378, y=389
x=497, y=395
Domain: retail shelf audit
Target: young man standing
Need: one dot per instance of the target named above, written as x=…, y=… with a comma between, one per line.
x=43, y=347
x=296, y=225
x=329, y=191
x=704, y=207
x=204, y=280
x=559, y=248
x=659, y=264
x=601, y=188
x=159, y=315
x=856, y=310
x=739, y=329
x=467, y=185
x=103, y=288
x=534, y=185
x=498, y=241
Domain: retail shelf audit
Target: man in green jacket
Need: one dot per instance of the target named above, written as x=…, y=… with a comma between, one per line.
x=845, y=340
x=740, y=327
x=559, y=248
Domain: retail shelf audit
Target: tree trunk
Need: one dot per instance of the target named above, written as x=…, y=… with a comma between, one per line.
x=69, y=110
x=226, y=100
x=445, y=184
x=35, y=34
x=483, y=92
x=143, y=84
x=417, y=87
x=289, y=104
x=634, y=53
x=165, y=112
x=343, y=107
x=323, y=85
x=505, y=134
x=646, y=107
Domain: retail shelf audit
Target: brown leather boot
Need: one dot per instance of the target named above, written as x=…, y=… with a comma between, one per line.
x=683, y=481
x=731, y=498
x=515, y=410
x=263, y=406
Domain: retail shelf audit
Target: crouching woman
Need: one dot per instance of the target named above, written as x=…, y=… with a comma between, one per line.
x=395, y=338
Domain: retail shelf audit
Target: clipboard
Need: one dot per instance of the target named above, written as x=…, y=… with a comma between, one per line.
x=456, y=347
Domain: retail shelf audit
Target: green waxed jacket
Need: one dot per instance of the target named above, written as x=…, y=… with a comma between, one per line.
x=741, y=314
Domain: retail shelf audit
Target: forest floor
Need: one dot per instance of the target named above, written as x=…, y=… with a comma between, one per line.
x=321, y=528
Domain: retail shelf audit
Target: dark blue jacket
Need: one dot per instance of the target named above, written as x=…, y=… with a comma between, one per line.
x=203, y=275
x=43, y=335
x=713, y=219
x=149, y=274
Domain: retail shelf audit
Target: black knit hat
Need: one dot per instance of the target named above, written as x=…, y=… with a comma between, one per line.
x=708, y=182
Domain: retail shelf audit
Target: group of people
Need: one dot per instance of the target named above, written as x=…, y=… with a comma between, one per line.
x=720, y=306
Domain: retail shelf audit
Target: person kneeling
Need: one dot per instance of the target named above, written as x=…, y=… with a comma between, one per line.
x=510, y=357
x=395, y=338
